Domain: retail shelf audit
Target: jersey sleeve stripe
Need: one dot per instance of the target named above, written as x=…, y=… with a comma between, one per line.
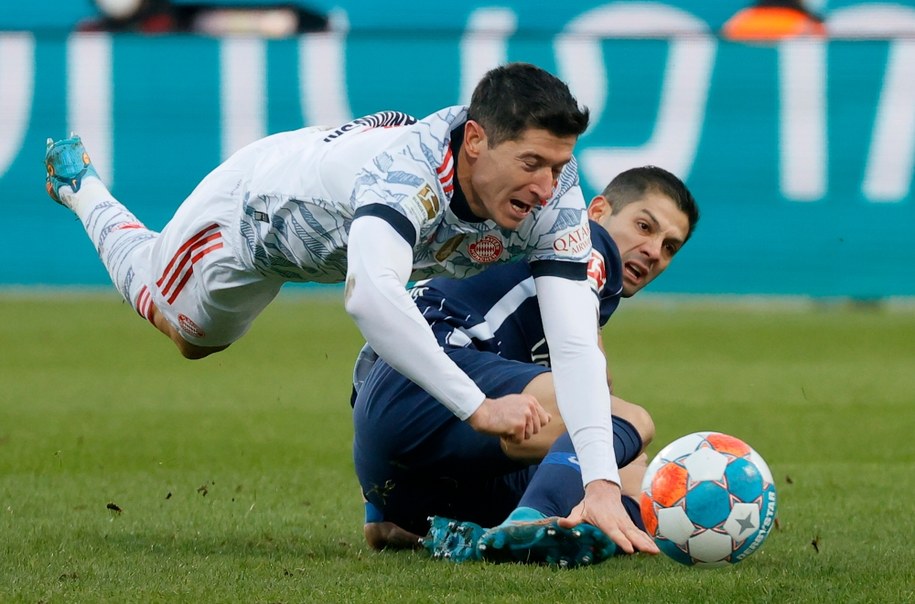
x=574, y=271
x=398, y=221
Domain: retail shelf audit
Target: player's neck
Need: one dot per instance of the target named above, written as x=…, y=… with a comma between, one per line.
x=465, y=204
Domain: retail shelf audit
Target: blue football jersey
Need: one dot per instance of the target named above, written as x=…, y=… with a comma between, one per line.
x=497, y=310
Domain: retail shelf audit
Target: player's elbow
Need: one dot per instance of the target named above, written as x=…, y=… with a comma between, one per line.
x=355, y=300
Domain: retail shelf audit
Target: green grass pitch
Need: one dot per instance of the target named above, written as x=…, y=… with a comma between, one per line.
x=128, y=474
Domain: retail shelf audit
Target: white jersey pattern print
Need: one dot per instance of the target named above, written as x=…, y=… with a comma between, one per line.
x=308, y=184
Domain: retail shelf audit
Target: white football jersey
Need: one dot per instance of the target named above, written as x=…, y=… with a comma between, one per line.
x=303, y=188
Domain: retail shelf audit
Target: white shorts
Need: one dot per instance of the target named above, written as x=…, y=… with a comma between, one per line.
x=197, y=278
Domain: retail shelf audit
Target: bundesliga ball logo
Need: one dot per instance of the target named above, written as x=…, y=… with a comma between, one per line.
x=708, y=499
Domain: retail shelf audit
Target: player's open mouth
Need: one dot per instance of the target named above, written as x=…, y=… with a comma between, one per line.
x=635, y=271
x=521, y=208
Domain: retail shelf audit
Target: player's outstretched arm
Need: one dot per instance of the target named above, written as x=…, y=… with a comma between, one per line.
x=379, y=265
x=515, y=417
x=603, y=508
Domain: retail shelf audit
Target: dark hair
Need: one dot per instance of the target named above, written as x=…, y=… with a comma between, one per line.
x=515, y=97
x=634, y=183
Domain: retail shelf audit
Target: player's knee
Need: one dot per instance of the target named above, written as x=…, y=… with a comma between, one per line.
x=187, y=350
x=644, y=423
x=193, y=352
x=637, y=416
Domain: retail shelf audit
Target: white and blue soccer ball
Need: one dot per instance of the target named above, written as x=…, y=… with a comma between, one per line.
x=708, y=499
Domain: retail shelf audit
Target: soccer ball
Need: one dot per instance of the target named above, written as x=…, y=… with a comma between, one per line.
x=708, y=499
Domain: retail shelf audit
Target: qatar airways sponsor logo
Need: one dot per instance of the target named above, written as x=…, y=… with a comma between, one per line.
x=574, y=242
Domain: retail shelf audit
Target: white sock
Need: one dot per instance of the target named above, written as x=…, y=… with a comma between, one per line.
x=123, y=243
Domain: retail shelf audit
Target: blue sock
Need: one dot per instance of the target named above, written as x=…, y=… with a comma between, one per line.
x=556, y=485
x=524, y=514
x=372, y=513
x=634, y=511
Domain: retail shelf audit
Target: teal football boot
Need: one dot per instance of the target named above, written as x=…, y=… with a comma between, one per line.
x=67, y=163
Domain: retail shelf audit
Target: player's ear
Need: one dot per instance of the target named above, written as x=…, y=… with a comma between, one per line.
x=599, y=207
x=474, y=138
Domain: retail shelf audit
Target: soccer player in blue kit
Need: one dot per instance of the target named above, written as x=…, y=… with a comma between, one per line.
x=377, y=202
x=414, y=460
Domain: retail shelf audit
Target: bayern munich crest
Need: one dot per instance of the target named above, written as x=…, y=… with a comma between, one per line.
x=486, y=250
x=188, y=326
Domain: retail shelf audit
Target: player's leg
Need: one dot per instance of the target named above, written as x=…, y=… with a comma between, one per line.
x=200, y=293
x=415, y=459
x=535, y=448
x=631, y=476
x=187, y=281
x=383, y=534
x=531, y=532
x=123, y=244
x=556, y=486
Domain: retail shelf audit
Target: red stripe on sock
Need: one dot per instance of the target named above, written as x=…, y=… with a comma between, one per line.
x=147, y=308
x=144, y=291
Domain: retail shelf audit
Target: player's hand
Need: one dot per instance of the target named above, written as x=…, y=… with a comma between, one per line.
x=603, y=508
x=515, y=417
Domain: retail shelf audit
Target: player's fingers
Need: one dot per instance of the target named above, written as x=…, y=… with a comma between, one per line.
x=621, y=540
x=639, y=539
x=545, y=417
x=643, y=542
x=535, y=422
x=573, y=519
x=519, y=432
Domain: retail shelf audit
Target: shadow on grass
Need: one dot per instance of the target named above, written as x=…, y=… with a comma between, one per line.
x=240, y=544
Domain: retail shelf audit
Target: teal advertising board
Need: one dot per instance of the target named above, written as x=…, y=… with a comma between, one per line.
x=800, y=154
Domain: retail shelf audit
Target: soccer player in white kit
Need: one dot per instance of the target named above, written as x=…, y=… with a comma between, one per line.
x=377, y=202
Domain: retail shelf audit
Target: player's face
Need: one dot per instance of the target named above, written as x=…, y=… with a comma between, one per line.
x=509, y=180
x=648, y=233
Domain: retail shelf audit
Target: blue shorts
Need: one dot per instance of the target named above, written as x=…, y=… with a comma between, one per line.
x=414, y=458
